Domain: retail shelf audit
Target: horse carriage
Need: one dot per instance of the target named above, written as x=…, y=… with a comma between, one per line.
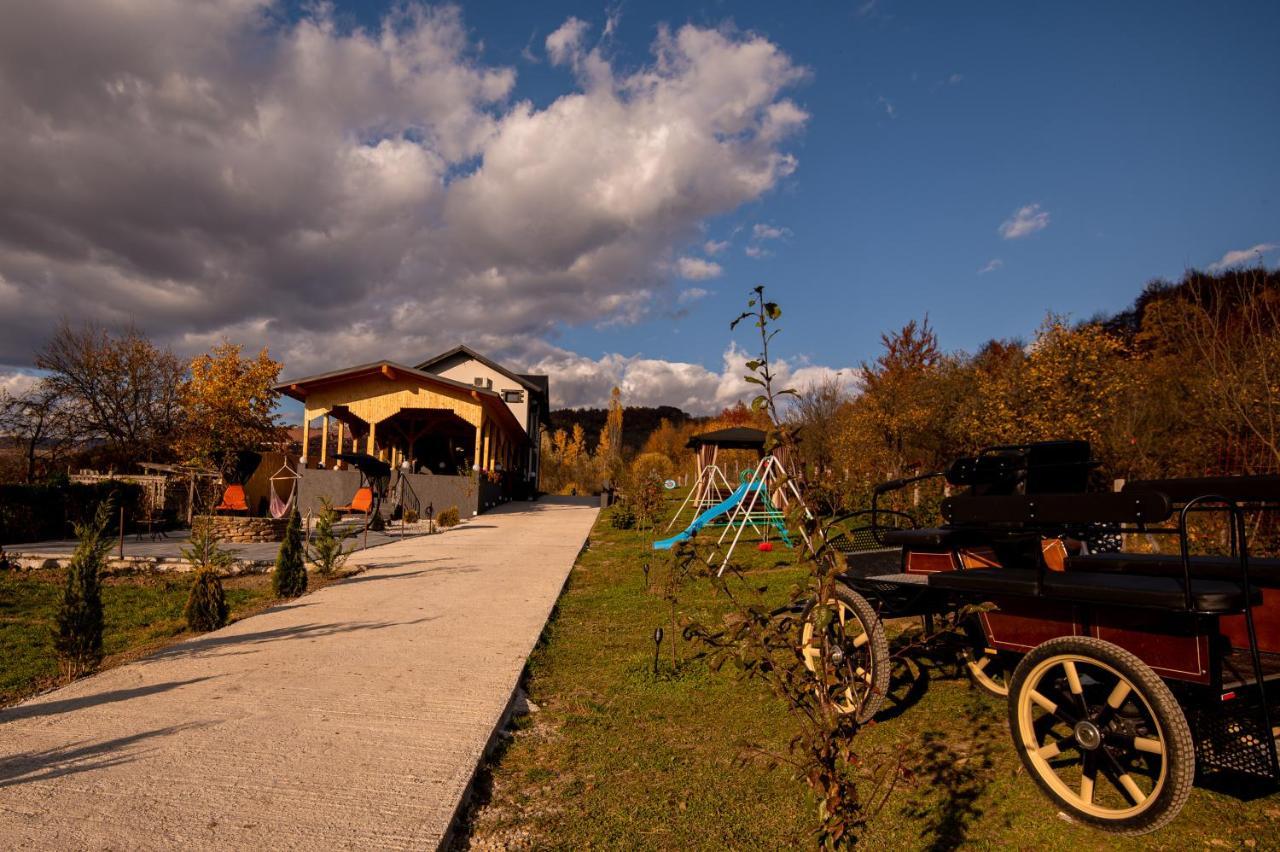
x=1125, y=673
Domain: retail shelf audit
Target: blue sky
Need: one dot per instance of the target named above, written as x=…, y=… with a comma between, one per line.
x=1148, y=132
x=557, y=184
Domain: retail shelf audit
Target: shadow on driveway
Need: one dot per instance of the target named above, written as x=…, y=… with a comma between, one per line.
x=80, y=757
x=65, y=705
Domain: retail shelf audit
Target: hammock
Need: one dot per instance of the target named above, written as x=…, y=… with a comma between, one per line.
x=280, y=508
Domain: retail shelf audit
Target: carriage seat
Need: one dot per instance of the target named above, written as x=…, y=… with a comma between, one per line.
x=991, y=581
x=1208, y=596
x=941, y=538
x=1264, y=572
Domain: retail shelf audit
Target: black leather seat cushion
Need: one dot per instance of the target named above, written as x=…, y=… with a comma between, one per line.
x=1264, y=572
x=941, y=538
x=1211, y=596
x=988, y=581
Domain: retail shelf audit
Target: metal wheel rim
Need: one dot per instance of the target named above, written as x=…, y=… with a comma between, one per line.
x=857, y=661
x=1120, y=693
x=978, y=662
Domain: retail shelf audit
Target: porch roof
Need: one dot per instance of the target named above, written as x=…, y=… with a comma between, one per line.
x=490, y=400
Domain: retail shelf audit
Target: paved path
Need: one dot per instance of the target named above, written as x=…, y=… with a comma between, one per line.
x=352, y=718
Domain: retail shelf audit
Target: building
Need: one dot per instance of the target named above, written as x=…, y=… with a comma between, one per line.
x=457, y=416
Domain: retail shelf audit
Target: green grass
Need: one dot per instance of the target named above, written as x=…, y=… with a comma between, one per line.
x=141, y=613
x=618, y=758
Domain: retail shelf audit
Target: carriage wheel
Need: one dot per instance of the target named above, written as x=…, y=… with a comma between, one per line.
x=857, y=676
x=1101, y=734
x=988, y=668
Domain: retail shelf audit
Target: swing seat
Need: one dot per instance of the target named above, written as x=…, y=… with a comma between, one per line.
x=361, y=503
x=233, y=500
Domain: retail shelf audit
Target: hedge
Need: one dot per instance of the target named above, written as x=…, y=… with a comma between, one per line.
x=43, y=512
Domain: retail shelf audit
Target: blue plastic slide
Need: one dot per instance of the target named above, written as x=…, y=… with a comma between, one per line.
x=708, y=516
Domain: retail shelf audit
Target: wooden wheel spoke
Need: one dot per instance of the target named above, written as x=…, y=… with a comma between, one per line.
x=1061, y=706
x=1121, y=779
x=1088, y=775
x=1149, y=745
x=1055, y=748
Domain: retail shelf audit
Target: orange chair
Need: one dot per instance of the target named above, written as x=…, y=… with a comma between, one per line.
x=233, y=500
x=361, y=504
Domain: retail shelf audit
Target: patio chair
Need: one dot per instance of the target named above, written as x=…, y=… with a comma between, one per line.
x=361, y=503
x=233, y=500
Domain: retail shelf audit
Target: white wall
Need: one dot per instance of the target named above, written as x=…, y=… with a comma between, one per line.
x=467, y=372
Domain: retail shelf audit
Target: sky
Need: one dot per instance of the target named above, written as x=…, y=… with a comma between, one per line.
x=589, y=190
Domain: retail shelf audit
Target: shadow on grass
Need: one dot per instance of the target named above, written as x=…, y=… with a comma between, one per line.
x=952, y=770
x=66, y=705
x=79, y=757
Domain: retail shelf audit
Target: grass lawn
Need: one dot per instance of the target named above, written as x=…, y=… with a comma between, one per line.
x=616, y=757
x=142, y=613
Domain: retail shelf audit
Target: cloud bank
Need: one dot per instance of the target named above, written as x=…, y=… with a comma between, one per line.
x=586, y=382
x=209, y=169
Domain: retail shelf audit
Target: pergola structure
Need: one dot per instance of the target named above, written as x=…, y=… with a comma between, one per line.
x=394, y=413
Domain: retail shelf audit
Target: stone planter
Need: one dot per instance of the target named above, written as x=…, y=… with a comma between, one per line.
x=238, y=529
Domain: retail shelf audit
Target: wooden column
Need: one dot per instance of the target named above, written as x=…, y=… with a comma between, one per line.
x=479, y=455
x=306, y=437
x=324, y=442
x=370, y=443
x=341, y=435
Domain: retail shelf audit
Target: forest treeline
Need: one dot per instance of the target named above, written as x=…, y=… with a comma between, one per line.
x=1184, y=383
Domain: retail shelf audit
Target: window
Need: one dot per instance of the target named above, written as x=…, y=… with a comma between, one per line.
x=512, y=396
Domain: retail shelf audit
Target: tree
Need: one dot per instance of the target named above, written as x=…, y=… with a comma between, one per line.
x=206, y=607
x=228, y=405
x=816, y=412
x=289, y=579
x=79, y=635
x=899, y=397
x=1227, y=331
x=123, y=391
x=609, y=450
x=38, y=423
x=326, y=550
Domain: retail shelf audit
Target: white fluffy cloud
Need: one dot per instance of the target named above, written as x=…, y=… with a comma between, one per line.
x=566, y=42
x=586, y=382
x=769, y=232
x=1243, y=257
x=698, y=269
x=714, y=247
x=1024, y=221
x=17, y=382
x=690, y=295
x=207, y=170
x=991, y=266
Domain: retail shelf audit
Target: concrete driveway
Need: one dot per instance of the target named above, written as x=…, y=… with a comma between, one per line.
x=352, y=718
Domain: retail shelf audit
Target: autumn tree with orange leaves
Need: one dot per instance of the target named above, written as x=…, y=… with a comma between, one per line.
x=228, y=405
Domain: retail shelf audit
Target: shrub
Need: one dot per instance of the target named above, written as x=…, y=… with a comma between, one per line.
x=79, y=638
x=289, y=579
x=326, y=551
x=39, y=512
x=448, y=517
x=647, y=496
x=410, y=516
x=623, y=516
x=206, y=607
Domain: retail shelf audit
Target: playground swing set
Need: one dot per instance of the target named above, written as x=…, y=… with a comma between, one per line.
x=758, y=502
